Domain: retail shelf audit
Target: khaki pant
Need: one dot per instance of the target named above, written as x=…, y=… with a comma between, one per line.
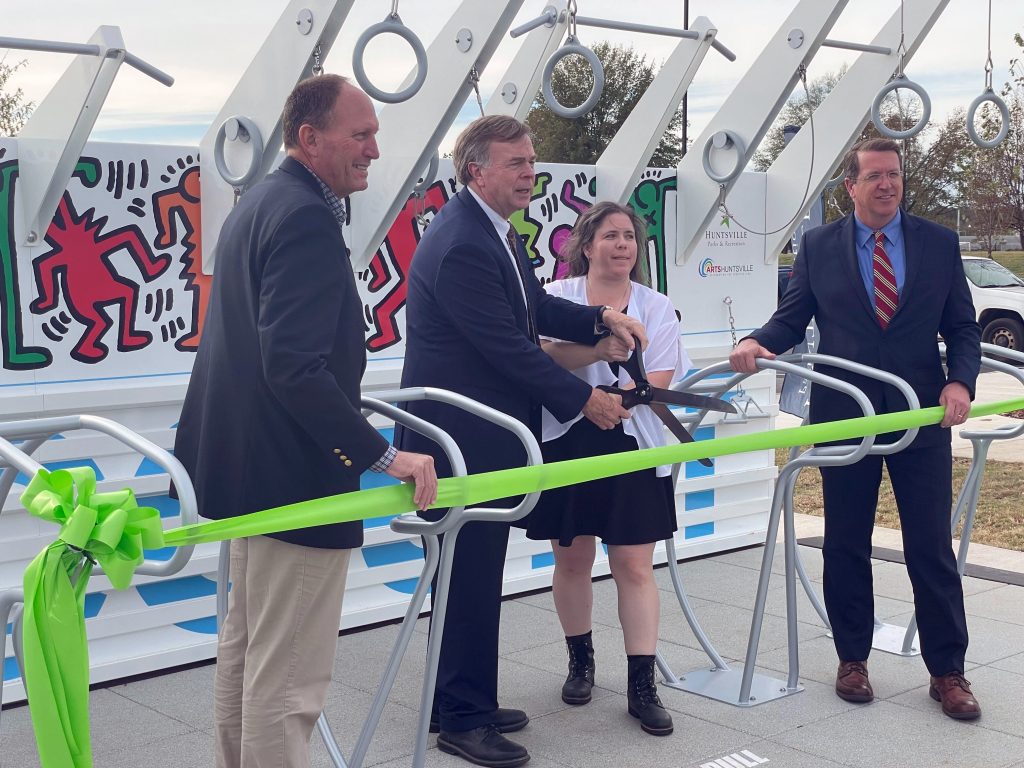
x=276, y=651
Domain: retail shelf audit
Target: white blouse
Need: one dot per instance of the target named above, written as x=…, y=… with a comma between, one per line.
x=664, y=353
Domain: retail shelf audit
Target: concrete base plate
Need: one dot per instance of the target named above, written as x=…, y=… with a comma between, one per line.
x=724, y=685
x=889, y=638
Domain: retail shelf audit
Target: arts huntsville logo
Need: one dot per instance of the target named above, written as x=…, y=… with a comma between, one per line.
x=708, y=268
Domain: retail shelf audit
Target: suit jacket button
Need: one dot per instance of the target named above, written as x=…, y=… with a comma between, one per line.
x=348, y=462
x=337, y=450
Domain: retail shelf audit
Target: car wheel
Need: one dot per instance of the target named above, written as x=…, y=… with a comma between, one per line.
x=1005, y=332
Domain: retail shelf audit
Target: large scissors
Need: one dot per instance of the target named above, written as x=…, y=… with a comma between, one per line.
x=658, y=399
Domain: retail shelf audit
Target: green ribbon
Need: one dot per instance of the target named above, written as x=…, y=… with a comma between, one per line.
x=113, y=530
x=106, y=528
x=479, y=488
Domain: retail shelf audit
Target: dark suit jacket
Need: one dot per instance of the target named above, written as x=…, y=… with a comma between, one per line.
x=468, y=332
x=272, y=411
x=827, y=285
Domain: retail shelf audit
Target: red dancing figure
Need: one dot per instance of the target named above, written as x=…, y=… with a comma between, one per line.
x=82, y=255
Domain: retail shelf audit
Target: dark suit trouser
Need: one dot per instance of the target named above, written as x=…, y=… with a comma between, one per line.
x=922, y=484
x=467, y=676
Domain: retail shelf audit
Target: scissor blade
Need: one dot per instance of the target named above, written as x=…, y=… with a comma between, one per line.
x=701, y=402
x=675, y=427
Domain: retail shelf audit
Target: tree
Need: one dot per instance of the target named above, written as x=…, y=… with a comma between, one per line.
x=14, y=110
x=627, y=75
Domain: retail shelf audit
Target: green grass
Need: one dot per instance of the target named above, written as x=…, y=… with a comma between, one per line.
x=1012, y=260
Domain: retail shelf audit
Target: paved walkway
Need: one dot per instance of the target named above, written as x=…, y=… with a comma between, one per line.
x=165, y=721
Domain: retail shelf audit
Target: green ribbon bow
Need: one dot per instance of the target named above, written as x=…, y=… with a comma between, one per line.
x=106, y=528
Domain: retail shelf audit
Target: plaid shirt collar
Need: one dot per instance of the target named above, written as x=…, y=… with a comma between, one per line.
x=333, y=201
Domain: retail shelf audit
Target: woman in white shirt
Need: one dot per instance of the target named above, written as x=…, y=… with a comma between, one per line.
x=607, y=256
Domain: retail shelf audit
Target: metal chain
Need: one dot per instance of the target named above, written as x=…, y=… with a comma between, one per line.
x=474, y=79
x=317, y=68
x=571, y=8
x=988, y=62
x=394, y=9
x=810, y=172
x=732, y=320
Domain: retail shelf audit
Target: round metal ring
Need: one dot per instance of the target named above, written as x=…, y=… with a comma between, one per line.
x=420, y=188
x=876, y=108
x=573, y=47
x=394, y=25
x=722, y=140
x=1004, y=113
x=246, y=130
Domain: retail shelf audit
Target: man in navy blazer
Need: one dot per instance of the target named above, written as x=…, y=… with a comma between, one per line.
x=473, y=316
x=882, y=285
x=272, y=417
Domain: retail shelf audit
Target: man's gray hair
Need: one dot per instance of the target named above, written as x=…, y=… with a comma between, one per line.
x=474, y=143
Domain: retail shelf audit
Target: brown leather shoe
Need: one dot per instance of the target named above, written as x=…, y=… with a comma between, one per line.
x=954, y=691
x=852, y=682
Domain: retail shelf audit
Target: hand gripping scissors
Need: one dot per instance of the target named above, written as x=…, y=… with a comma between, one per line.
x=658, y=399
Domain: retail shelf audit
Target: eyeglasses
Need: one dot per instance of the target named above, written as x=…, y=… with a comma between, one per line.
x=894, y=177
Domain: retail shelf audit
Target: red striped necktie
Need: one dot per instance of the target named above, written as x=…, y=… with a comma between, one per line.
x=887, y=298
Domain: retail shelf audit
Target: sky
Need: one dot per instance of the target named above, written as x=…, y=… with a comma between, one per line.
x=207, y=45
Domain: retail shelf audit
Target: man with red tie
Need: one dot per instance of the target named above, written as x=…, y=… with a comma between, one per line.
x=882, y=285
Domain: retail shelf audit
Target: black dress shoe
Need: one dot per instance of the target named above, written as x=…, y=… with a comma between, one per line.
x=505, y=720
x=483, y=746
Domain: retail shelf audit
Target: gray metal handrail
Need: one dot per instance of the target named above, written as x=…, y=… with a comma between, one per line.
x=33, y=429
x=720, y=682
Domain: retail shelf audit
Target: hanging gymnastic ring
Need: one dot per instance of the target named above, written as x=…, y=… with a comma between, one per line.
x=1004, y=113
x=394, y=25
x=420, y=188
x=876, y=108
x=245, y=129
x=723, y=140
x=572, y=46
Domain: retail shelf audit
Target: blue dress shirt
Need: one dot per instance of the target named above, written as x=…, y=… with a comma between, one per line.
x=864, y=237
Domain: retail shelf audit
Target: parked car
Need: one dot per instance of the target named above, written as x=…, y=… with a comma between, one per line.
x=785, y=272
x=999, y=300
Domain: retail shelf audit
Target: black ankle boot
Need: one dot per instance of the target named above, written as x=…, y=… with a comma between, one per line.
x=642, y=697
x=576, y=689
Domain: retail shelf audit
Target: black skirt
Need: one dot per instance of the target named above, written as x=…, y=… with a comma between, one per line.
x=636, y=508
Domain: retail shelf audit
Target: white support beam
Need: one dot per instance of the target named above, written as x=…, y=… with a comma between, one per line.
x=518, y=87
x=748, y=112
x=285, y=58
x=626, y=156
x=411, y=131
x=52, y=140
x=838, y=121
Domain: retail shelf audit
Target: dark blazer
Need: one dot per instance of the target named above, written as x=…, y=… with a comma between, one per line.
x=272, y=411
x=468, y=332
x=827, y=285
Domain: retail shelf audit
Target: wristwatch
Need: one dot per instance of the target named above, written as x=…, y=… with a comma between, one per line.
x=599, y=326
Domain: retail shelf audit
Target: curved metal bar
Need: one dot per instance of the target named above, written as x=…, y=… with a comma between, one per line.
x=246, y=131
x=876, y=108
x=825, y=455
x=8, y=601
x=31, y=428
x=1004, y=126
x=10, y=474
x=394, y=25
x=572, y=46
x=724, y=140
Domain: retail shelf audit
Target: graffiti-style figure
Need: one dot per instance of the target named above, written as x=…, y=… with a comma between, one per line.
x=400, y=243
x=650, y=200
x=181, y=204
x=80, y=253
x=562, y=232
